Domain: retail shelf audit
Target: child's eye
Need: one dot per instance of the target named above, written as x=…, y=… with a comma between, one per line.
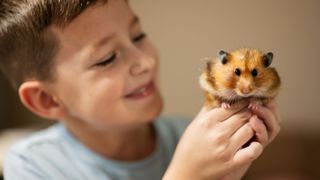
x=107, y=61
x=139, y=37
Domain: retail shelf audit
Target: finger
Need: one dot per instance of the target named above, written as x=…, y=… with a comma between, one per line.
x=232, y=124
x=241, y=137
x=272, y=105
x=248, y=154
x=261, y=133
x=269, y=119
x=222, y=114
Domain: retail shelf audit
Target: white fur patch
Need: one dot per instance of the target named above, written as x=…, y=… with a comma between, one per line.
x=205, y=84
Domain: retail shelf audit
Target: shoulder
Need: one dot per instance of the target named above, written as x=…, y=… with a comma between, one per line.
x=31, y=153
x=41, y=139
x=43, y=142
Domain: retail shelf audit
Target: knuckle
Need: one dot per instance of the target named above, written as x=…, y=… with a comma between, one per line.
x=218, y=135
x=218, y=138
x=276, y=130
x=243, y=116
x=205, y=123
x=246, y=117
x=222, y=153
x=249, y=129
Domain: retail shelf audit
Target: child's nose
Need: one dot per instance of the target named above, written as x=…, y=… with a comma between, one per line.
x=141, y=62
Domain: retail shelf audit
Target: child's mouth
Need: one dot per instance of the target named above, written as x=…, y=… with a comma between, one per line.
x=142, y=92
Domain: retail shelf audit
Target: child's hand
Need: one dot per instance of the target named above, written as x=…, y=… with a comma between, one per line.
x=212, y=145
x=265, y=131
x=266, y=123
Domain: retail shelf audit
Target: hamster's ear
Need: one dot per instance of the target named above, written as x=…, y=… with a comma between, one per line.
x=38, y=100
x=223, y=56
x=267, y=59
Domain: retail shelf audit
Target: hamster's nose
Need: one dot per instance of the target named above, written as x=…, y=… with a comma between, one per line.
x=245, y=90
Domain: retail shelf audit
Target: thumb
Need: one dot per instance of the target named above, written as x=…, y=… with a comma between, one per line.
x=248, y=154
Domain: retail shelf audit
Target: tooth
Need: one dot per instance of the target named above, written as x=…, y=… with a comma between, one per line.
x=142, y=90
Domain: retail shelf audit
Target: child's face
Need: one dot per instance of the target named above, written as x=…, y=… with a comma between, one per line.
x=106, y=69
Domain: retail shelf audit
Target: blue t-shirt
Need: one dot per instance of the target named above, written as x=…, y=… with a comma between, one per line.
x=55, y=154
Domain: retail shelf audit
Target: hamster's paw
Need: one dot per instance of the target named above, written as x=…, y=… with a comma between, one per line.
x=225, y=105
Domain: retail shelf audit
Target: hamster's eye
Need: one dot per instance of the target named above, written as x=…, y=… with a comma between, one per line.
x=254, y=72
x=237, y=72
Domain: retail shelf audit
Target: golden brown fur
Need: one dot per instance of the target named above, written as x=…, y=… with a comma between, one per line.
x=223, y=83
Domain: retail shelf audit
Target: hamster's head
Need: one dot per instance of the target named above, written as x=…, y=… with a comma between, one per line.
x=247, y=73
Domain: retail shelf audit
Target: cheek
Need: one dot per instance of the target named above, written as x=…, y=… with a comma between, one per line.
x=104, y=94
x=92, y=100
x=231, y=82
x=261, y=81
x=228, y=80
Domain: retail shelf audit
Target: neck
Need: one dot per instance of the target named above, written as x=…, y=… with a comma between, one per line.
x=128, y=145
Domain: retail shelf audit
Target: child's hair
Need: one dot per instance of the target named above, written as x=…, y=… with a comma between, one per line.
x=27, y=47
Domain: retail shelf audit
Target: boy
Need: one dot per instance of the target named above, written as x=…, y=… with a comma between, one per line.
x=89, y=65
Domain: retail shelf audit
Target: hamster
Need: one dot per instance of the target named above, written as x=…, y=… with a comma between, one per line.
x=242, y=74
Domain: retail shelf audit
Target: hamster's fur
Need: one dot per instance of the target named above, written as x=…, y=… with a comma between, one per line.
x=240, y=74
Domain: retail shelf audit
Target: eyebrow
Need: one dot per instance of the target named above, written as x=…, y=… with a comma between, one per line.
x=105, y=39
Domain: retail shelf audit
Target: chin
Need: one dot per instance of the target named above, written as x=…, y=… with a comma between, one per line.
x=155, y=109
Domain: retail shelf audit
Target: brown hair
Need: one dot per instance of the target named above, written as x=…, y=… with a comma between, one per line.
x=27, y=47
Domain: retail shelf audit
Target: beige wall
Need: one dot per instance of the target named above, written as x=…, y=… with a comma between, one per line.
x=186, y=31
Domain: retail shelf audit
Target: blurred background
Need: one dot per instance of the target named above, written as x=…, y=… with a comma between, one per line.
x=186, y=32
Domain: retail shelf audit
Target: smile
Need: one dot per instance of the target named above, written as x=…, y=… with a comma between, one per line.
x=142, y=92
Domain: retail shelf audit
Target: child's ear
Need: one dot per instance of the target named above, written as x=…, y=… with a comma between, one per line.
x=37, y=99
